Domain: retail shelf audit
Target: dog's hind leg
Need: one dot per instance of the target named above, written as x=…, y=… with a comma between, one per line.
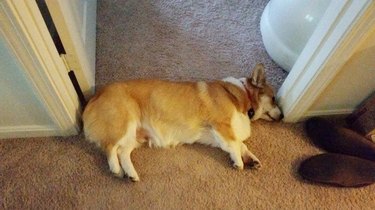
x=113, y=161
x=126, y=163
x=126, y=145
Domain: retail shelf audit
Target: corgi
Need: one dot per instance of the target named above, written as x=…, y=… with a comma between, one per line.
x=124, y=116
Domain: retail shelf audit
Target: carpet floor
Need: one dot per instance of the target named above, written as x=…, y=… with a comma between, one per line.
x=178, y=40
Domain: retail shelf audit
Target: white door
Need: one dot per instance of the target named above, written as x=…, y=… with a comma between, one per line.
x=37, y=93
x=75, y=22
x=27, y=40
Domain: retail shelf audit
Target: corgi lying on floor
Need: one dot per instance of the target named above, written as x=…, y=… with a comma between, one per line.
x=123, y=116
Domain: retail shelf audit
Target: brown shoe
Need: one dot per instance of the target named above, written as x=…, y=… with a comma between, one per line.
x=339, y=170
x=337, y=139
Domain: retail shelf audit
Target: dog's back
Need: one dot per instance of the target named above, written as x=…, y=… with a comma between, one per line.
x=172, y=112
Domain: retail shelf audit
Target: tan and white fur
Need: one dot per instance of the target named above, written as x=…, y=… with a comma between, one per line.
x=123, y=116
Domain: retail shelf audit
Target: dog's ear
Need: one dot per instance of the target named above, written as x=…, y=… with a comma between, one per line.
x=258, y=77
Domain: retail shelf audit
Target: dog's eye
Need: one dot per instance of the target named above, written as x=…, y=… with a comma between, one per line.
x=251, y=113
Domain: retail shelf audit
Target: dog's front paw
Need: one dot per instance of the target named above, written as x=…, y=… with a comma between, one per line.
x=254, y=164
x=251, y=161
x=238, y=166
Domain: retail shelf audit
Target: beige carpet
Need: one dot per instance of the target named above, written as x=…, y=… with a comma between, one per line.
x=70, y=173
x=178, y=40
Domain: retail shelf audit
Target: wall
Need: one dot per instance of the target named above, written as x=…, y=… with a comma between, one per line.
x=354, y=83
x=19, y=105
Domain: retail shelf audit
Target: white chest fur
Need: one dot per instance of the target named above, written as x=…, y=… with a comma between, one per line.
x=240, y=124
x=174, y=135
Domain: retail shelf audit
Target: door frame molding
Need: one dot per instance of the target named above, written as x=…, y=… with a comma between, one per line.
x=337, y=36
x=62, y=13
x=27, y=36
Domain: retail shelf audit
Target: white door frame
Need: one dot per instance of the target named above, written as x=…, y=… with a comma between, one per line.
x=26, y=33
x=344, y=25
x=73, y=38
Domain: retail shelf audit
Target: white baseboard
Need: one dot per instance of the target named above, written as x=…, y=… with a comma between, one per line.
x=327, y=112
x=27, y=131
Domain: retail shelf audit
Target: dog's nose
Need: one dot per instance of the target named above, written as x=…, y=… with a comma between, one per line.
x=281, y=116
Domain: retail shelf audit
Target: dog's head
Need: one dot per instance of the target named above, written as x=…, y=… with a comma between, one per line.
x=262, y=96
